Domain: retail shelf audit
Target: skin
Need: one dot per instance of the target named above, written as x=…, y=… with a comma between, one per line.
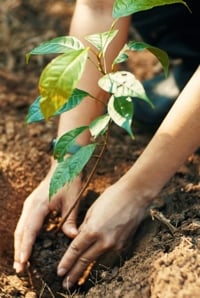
x=111, y=219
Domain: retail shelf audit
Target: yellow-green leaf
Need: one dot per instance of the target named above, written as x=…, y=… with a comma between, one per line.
x=59, y=79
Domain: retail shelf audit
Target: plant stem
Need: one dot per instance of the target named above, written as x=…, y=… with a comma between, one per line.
x=87, y=181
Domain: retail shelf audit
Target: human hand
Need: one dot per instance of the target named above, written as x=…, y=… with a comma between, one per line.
x=114, y=216
x=35, y=209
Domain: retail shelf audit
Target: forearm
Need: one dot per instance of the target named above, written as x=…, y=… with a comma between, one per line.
x=177, y=138
x=92, y=17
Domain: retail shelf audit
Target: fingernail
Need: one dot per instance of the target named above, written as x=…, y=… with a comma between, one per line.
x=17, y=266
x=67, y=284
x=73, y=231
x=61, y=271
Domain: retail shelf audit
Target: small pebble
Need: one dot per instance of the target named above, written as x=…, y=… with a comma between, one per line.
x=47, y=243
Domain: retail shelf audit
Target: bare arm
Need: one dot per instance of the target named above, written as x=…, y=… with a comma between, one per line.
x=177, y=137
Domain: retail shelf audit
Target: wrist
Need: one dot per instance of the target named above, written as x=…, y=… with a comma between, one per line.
x=141, y=193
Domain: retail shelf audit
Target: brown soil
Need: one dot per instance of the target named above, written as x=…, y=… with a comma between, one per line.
x=159, y=261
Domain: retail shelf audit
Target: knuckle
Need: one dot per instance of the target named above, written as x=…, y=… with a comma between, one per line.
x=107, y=244
x=85, y=261
x=92, y=234
x=75, y=249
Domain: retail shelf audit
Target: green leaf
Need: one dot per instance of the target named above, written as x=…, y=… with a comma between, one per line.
x=57, y=45
x=99, y=125
x=123, y=84
x=76, y=97
x=59, y=79
x=120, y=110
x=160, y=54
x=66, y=142
x=35, y=114
x=70, y=168
x=122, y=56
x=124, y=8
x=102, y=40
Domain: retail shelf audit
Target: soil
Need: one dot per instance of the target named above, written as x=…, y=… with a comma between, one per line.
x=162, y=260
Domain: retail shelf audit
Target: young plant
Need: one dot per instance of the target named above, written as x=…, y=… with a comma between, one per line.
x=59, y=92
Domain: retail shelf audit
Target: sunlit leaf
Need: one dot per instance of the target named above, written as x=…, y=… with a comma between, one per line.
x=124, y=8
x=122, y=56
x=57, y=45
x=120, y=110
x=66, y=142
x=99, y=125
x=102, y=40
x=70, y=168
x=123, y=84
x=59, y=79
x=35, y=114
x=160, y=54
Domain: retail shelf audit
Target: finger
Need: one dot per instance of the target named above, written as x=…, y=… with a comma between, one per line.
x=83, y=265
x=18, y=235
x=29, y=237
x=77, y=247
x=25, y=235
x=69, y=227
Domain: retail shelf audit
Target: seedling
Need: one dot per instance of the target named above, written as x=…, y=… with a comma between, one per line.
x=59, y=93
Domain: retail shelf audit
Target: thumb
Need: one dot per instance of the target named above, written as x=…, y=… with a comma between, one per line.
x=70, y=227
